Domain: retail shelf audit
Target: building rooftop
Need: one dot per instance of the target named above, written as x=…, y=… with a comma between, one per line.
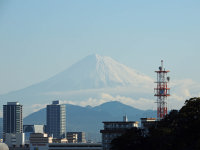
x=120, y=122
x=55, y=102
x=146, y=119
x=75, y=145
x=12, y=103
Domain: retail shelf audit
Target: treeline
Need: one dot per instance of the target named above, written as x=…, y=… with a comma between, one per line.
x=179, y=130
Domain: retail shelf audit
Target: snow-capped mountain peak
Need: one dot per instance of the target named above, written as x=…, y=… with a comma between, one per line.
x=95, y=71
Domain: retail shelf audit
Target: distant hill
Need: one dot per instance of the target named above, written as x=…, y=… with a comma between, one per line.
x=89, y=119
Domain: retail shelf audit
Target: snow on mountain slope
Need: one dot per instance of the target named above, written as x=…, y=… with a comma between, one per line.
x=96, y=72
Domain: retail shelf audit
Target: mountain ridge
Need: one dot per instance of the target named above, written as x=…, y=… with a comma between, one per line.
x=89, y=119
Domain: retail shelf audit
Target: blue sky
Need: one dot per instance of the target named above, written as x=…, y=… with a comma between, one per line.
x=39, y=39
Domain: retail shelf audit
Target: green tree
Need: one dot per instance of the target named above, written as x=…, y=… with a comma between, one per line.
x=179, y=130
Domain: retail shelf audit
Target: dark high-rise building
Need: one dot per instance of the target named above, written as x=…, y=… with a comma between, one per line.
x=12, y=118
x=56, y=120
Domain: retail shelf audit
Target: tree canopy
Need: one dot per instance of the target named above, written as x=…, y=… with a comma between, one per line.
x=179, y=130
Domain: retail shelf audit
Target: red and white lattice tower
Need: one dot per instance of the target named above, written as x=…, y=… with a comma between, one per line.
x=162, y=91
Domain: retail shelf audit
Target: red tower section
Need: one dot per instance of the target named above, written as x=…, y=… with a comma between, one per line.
x=162, y=92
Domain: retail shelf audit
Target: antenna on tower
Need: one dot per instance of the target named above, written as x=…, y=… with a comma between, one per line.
x=162, y=92
x=162, y=63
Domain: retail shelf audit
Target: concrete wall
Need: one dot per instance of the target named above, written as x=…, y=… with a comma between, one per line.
x=17, y=139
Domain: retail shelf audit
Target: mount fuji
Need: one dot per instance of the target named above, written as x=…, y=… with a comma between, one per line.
x=92, y=81
x=94, y=72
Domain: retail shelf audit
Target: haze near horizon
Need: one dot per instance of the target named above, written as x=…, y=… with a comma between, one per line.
x=39, y=39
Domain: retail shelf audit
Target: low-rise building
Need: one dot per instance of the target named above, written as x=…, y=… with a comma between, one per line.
x=146, y=123
x=114, y=129
x=72, y=138
x=39, y=141
x=80, y=136
x=14, y=139
x=64, y=140
x=28, y=129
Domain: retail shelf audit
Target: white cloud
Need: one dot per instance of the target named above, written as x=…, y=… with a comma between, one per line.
x=37, y=107
x=138, y=97
x=141, y=103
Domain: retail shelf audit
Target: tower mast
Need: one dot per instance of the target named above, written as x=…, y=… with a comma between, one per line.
x=162, y=91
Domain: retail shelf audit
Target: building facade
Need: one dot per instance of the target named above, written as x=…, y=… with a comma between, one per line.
x=147, y=123
x=13, y=124
x=12, y=118
x=114, y=129
x=28, y=129
x=80, y=136
x=72, y=138
x=15, y=139
x=56, y=120
x=39, y=141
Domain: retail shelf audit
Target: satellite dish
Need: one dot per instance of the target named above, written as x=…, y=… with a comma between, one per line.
x=168, y=79
x=160, y=68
